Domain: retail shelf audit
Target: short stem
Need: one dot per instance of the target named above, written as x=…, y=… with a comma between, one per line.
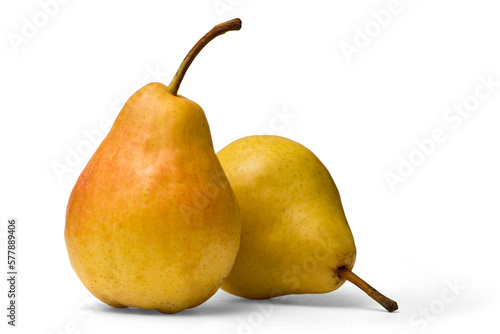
x=389, y=304
x=234, y=24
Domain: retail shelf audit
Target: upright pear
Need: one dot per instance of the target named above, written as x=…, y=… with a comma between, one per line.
x=295, y=236
x=152, y=221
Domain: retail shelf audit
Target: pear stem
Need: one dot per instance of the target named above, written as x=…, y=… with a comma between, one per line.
x=389, y=304
x=222, y=28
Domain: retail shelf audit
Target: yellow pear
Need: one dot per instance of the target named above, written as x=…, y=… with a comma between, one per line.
x=152, y=221
x=295, y=236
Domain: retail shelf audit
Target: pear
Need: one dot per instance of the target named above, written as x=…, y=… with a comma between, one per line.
x=152, y=221
x=295, y=236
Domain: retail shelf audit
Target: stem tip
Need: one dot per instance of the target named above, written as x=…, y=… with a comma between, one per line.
x=389, y=304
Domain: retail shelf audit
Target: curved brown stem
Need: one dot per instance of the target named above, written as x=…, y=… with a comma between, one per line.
x=389, y=304
x=234, y=24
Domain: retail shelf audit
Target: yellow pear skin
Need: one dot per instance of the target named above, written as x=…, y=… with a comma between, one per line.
x=295, y=234
x=152, y=221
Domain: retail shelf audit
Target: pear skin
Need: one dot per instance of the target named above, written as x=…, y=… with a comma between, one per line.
x=152, y=221
x=295, y=234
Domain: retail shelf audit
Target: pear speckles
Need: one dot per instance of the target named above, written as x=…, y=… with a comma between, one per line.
x=126, y=236
x=284, y=201
x=295, y=235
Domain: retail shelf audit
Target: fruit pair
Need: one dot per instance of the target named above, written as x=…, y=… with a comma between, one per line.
x=153, y=221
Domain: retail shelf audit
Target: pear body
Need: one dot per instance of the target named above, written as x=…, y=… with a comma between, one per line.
x=294, y=235
x=152, y=221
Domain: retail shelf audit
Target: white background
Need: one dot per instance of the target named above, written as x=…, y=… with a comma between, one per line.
x=438, y=227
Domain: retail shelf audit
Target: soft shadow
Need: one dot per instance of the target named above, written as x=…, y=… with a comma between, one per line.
x=330, y=300
x=233, y=305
